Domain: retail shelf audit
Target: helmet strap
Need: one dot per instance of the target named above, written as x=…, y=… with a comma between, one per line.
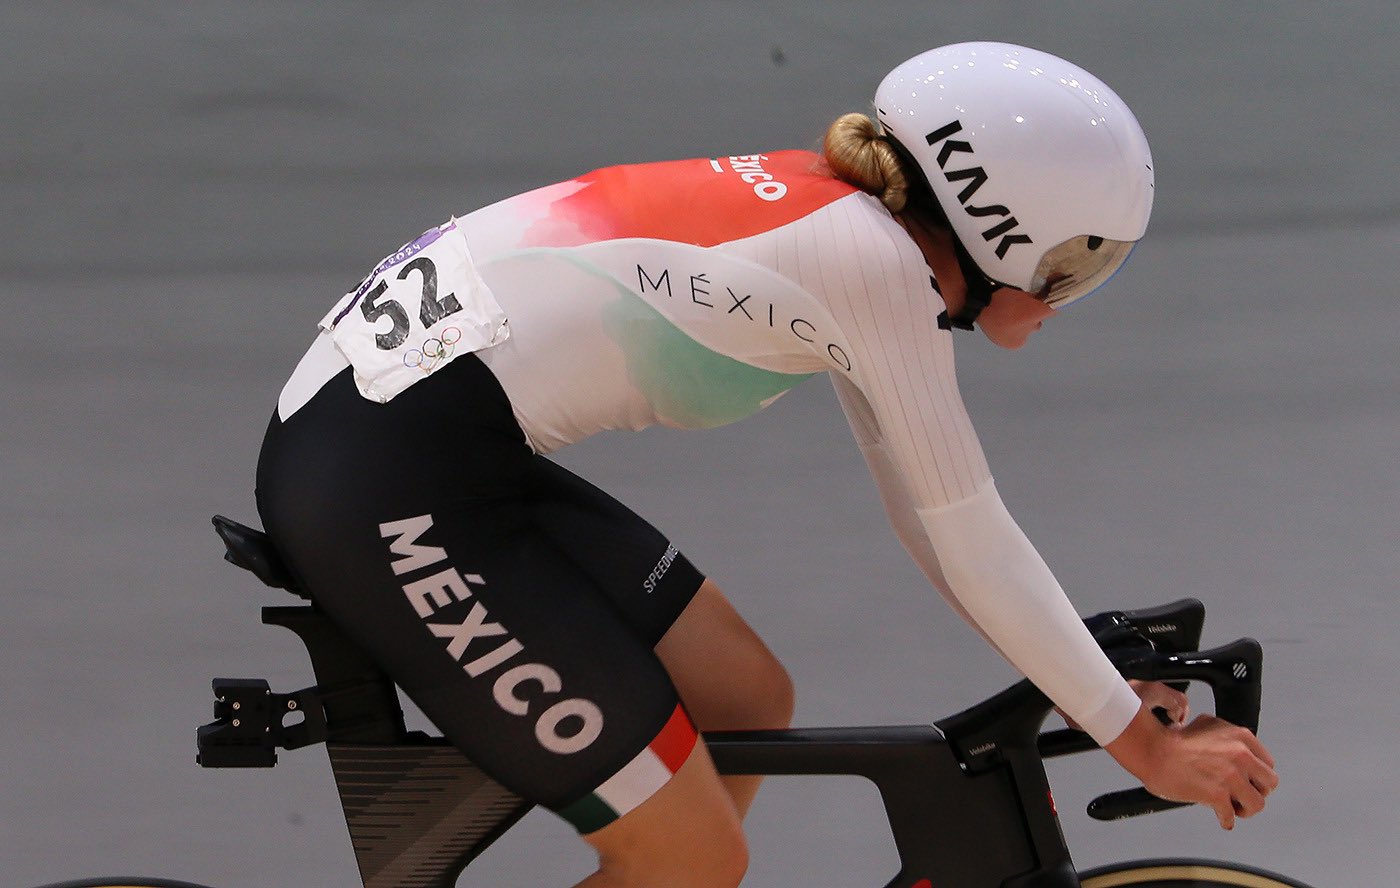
x=979, y=289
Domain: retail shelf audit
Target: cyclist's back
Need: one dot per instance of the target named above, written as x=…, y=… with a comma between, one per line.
x=687, y=293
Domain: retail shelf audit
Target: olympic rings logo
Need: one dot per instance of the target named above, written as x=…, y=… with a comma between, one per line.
x=434, y=352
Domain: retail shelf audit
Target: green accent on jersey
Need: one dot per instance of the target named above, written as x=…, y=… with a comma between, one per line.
x=687, y=384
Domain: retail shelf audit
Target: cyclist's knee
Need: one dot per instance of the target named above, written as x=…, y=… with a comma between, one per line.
x=773, y=694
x=727, y=676
x=760, y=692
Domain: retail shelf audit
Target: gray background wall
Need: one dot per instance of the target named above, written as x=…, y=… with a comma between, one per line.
x=186, y=187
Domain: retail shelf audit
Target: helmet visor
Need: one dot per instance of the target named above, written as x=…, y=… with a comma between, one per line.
x=1078, y=267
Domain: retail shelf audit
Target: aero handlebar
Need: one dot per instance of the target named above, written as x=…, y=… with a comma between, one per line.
x=1233, y=673
x=1159, y=644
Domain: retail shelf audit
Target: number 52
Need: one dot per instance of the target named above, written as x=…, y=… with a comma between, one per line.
x=430, y=311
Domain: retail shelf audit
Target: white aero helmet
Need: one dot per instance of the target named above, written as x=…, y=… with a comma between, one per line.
x=1041, y=169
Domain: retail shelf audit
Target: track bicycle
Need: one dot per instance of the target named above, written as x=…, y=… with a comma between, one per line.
x=967, y=798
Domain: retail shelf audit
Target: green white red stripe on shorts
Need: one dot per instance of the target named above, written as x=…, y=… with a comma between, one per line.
x=638, y=780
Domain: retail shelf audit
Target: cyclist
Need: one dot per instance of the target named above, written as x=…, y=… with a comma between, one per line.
x=564, y=644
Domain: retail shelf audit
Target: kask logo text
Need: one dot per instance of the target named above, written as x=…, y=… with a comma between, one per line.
x=975, y=177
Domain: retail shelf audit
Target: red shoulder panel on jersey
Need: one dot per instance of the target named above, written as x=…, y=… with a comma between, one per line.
x=704, y=201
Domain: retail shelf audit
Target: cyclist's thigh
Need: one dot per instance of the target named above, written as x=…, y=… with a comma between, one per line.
x=636, y=566
x=726, y=675
x=514, y=655
x=437, y=569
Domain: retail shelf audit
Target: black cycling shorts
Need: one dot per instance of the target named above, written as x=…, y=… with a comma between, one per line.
x=516, y=604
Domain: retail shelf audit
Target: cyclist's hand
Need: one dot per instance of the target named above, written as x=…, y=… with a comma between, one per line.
x=1209, y=761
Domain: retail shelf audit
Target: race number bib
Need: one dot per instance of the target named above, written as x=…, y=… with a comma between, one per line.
x=422, y=306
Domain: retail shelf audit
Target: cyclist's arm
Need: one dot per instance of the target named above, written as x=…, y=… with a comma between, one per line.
x=1011, y=593
x=976, y=555
x=980, y=560
x=903, y=402
x=894, y=495
x=933, y=474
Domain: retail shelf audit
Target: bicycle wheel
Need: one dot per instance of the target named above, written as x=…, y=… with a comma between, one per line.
x=1183, y=873
x=123, y=882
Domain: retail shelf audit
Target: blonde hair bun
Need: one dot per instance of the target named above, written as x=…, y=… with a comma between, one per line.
x=858, y=155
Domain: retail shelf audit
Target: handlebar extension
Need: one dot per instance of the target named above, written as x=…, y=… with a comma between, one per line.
x=1233, y=673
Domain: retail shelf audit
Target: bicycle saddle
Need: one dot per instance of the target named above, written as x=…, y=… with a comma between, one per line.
x=252, y=550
